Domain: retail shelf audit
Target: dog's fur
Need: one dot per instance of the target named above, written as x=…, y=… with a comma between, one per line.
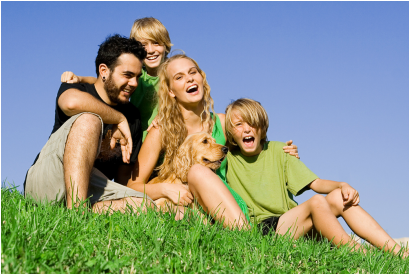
x=197, y=148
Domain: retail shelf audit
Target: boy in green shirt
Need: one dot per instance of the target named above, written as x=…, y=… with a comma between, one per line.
x=266, y=177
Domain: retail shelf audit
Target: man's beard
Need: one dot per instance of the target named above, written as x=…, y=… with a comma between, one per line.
x=113, y=91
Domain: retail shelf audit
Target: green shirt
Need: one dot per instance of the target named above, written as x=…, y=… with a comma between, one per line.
x=218, y=135
x=267, y=181
x=145, y=99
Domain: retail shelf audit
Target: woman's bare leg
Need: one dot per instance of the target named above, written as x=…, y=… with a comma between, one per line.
x=212, y=194
x=122, y=205
x=314, y=212
x=361, y=222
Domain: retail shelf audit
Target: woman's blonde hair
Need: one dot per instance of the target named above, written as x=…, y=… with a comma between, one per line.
x=251, y=112
x=152, y=29
x=173, y=129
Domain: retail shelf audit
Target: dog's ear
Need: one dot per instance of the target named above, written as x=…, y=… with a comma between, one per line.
x=183, y=160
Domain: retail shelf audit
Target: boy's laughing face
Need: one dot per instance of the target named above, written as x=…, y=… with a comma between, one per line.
x=247, y=137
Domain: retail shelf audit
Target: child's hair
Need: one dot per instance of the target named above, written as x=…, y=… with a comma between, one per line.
x=152, y=29
x=173, y=129
x=252, y=113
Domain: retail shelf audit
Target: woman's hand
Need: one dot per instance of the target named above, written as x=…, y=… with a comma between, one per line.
x=349, y=194
x=291, y=149
x=70, y=77
x=178, y=193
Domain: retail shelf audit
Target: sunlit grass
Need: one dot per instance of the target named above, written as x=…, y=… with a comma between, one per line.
x=53, y=239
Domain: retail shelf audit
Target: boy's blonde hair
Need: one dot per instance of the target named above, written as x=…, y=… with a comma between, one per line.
x=152, y=29
x=252, y=113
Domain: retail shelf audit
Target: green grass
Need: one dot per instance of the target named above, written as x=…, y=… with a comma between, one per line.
x=53, y=239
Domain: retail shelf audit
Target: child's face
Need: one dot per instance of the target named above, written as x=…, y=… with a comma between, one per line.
x=247, y=137
x=155, y=53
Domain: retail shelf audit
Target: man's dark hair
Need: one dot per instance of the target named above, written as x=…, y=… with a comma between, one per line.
x=113, y=47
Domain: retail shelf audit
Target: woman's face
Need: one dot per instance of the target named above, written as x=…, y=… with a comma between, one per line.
x=186, y=83
x=155, y=54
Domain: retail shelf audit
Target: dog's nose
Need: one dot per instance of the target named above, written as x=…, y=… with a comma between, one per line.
x=225, y=149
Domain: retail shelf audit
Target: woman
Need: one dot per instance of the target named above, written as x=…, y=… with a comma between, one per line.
x=185, y=106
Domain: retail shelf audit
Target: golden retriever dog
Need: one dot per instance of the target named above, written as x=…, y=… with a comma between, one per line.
x=197, y=148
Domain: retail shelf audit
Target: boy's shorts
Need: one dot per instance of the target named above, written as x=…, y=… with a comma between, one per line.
x=45, y=179
x=269, y=224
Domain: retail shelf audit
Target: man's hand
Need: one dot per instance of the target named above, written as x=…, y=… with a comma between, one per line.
x=291, y=149
x=121, y=134
x=349, y=194
x=70, y=77
x=178, y=193
x=154, y=124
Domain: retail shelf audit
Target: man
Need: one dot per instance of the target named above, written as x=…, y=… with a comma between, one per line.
x=96, y=136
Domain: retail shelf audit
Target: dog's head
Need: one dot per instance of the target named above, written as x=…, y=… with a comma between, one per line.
x=198, y=148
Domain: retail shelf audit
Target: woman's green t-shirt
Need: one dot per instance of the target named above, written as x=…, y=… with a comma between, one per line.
x=218, y=135
x=145, y=99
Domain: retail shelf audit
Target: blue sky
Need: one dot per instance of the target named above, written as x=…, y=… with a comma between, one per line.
x=333, y=76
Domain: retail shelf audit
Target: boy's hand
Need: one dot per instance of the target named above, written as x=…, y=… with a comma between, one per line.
x=349, y=194
x=69, y=77
x=154, y=124
x=291, y=149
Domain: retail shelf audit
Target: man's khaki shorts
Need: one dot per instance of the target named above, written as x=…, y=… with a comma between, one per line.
x=45, y=179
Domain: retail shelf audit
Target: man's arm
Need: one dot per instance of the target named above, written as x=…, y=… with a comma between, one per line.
x=73, y=101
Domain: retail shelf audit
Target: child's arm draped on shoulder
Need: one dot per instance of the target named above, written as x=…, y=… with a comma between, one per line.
x=349, y=194
x=147, y=159
x=70, y=77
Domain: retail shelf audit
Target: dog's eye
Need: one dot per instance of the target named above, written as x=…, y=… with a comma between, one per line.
x=205, y=141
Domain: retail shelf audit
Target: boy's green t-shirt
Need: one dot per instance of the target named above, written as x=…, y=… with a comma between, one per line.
x=267, y=181
x=145, y=99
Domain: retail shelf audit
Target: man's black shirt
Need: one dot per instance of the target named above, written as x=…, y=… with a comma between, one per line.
x=109, y=164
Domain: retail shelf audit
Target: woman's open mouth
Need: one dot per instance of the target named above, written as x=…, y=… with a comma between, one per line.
x=192, y=89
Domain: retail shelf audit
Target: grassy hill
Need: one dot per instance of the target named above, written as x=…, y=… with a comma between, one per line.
x=53, y=239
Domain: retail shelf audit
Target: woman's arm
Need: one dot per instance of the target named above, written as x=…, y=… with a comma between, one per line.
x=350, y=195
x=147, y=159
x=70, y=77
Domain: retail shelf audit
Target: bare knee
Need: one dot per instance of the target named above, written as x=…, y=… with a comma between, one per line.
x=335, y=201
x=318, y=202
x=197, y=173
x=88, y=123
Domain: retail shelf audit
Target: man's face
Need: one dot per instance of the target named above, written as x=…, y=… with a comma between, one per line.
x=123, y=80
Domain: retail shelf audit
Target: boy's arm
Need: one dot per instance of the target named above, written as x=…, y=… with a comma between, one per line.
x=70, y=77
x=349, y=194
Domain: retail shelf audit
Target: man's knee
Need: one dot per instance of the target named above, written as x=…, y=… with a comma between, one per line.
x=88, y=122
